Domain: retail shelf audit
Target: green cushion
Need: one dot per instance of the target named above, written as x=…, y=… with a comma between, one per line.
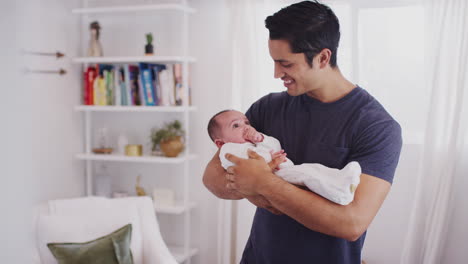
x=110, y=249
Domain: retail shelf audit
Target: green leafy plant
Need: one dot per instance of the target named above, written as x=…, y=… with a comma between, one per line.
x=149, y=38
x=169, y=131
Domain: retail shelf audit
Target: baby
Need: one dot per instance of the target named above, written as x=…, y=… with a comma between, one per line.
x=230, y=130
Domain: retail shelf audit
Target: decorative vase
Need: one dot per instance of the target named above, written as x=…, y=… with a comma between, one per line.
x=95, y=48
x=172, y=147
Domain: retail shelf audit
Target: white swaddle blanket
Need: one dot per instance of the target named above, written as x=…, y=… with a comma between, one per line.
x=333, y=184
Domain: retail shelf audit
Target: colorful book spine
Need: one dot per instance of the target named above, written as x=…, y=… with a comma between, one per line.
x=100, y=91
x=143, y=84
x=166, y=79
x=128, y=86
x=121, y=83
x=147, y=84
x=88, y=92
x=182, y=94
x=156, y=85
x=134, y=84
x=85, y=88
x=116, y=86
x=105, y=71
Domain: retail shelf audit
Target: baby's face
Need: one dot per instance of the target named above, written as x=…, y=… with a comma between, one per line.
x=233, y=126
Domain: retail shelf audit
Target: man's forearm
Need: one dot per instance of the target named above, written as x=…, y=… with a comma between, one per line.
x=309, y=209
x=215, y=181
x=321, y=215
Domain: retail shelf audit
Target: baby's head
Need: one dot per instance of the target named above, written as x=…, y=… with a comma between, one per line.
x=228, y=126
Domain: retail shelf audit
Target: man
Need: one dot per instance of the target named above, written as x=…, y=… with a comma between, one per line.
x=322, y=118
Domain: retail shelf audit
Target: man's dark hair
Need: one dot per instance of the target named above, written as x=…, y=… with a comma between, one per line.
x=213, y=126
x=309, y=27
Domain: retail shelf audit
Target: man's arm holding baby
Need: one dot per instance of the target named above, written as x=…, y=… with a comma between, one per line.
x=215, y=181
x=253, y=177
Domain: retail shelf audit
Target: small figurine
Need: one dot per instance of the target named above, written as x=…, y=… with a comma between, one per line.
x=139, y=190
x=149, y=44
x=95, y=48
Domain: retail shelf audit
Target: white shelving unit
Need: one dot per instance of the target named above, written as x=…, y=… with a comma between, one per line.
x=155, y=59
x=178, y=208
x=137, y=8
x=183, y=208
x=143, y=159
x=166, y=109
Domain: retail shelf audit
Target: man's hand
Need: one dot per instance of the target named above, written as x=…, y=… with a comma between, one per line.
x=261, y=202
x=251, y=135
x=247, y=175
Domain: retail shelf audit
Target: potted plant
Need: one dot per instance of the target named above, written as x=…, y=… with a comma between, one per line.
x=169, y=139
x=149, y=44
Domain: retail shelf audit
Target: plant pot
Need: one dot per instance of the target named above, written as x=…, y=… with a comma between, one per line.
x=149, y=49
x=172, y=147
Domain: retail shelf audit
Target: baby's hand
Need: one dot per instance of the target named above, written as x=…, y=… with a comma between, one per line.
x=276, y=159
x=251, y=135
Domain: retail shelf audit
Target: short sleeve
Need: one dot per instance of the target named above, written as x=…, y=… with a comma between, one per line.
x=377, y=149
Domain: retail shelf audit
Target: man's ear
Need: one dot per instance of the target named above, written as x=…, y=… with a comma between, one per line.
x=324, y=58
x=219, y=143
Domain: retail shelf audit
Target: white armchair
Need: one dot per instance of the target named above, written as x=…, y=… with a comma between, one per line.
x=84, y=219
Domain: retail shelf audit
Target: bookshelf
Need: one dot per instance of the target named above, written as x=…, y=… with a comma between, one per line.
x=129, y=59
x=133, y=8
x=117, y=108
x=183, y=251
x=143, y=159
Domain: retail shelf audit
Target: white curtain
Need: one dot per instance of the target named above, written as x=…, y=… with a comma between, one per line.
x=245, y=59
x=247, y=67
x=252, y=66
x=447, y=59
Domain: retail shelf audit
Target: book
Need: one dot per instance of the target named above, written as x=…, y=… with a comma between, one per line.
x=88, y=92
x=182, y=94
x=134, y=84
x=85, y=87
x=100, y=92
x=156, y=69
x=105, y=70
x=166, y=80
x=121, y=84
x=147, y=85
x=128, y=87
x=116, y=85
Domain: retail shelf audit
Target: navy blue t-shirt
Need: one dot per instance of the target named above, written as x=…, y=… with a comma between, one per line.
x=354, y=128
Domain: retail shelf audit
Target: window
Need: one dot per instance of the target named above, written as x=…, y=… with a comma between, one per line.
x=381, y=49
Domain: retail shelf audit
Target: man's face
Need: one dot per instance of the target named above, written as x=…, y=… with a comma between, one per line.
x=297, y=75
x=233, y=125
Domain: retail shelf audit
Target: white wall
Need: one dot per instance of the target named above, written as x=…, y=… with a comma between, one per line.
x=41, y=129
x=15, y=197
x=56, y=126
